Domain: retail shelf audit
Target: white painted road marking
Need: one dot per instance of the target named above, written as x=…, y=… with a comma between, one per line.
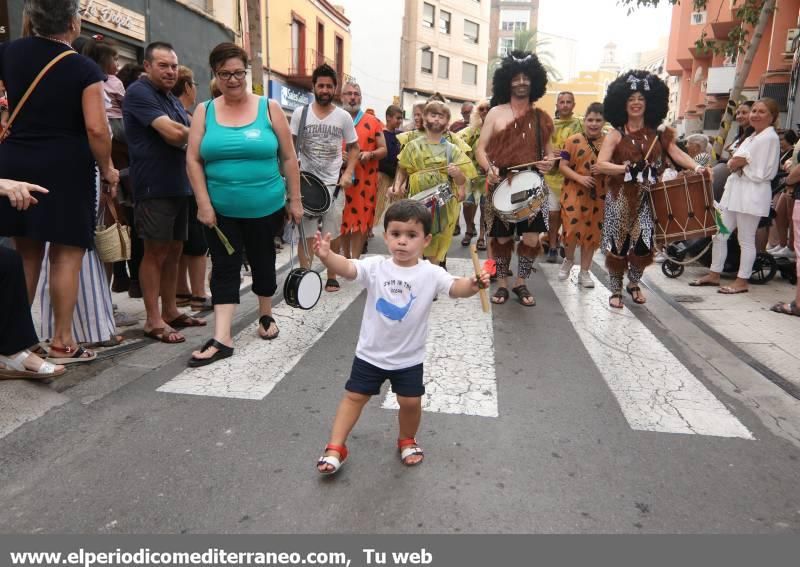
x=257, y=366
x=459, y=364
x=654, y=390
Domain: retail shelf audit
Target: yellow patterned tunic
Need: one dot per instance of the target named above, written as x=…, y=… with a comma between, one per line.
x=563, y=129
x=419, y=158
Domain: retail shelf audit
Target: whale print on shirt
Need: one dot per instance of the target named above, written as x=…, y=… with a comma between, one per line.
x=392, y=311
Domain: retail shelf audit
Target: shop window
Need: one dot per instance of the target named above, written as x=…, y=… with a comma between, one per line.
x=444, y=67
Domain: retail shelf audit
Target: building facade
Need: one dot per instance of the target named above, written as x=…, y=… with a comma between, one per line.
x=588, y=87
x=705, y=79
x=445, y=48
x=297, y=36
x=506, y=19
x=192, y=27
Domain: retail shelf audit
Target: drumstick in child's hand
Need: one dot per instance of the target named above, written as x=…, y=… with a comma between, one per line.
x=476, y=263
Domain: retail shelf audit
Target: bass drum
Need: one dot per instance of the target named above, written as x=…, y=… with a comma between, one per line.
x=314, y=194
x=302, y=288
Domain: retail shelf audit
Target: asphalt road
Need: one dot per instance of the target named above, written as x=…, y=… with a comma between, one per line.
x=561, y=456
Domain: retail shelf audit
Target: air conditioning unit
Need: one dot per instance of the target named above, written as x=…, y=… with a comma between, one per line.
x=698, y=18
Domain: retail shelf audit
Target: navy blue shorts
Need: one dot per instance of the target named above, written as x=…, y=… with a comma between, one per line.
x=367, y=379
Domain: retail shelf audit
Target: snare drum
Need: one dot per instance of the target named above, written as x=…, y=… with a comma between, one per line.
x=436, y=200
x=519, y=197
x=302, y=288
x=314, y=195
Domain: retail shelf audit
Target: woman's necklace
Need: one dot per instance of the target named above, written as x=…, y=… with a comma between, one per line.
x=61, y=41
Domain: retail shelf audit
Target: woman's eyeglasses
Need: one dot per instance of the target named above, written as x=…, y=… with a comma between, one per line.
x=227, y=75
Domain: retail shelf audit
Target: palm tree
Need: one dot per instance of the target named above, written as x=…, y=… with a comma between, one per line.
x=528, y=40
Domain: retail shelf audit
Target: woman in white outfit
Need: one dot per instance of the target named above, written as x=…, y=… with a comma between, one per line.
x=747, y=195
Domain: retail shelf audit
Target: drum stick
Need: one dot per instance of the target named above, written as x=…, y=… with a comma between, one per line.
x=439, y=167
x=482, y=290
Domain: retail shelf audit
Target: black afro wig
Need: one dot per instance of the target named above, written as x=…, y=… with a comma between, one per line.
x=656, y=96
x=512, y=64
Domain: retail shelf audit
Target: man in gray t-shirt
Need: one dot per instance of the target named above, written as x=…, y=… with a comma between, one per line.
x=327, y=128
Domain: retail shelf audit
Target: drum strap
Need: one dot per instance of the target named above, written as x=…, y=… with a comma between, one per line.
x=538, y=128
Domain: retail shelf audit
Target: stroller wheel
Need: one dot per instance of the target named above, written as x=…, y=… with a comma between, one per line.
x=764, y=269
x=671, y=269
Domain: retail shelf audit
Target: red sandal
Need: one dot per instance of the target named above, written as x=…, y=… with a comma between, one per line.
x=335, y=462
x=408, y=448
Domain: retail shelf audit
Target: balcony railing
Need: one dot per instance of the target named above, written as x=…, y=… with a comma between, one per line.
x=302, y=63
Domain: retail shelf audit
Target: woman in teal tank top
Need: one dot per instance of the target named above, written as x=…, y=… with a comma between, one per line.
x=239, y=144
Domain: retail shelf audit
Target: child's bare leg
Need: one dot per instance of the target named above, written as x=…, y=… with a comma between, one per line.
x=347, y=415
x=409, y=418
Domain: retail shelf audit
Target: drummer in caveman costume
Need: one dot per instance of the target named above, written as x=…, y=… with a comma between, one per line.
x=633, y=157
x=394, y=328
x=515, y=132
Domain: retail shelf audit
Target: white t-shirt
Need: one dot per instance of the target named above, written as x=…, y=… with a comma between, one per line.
x=321, y=153
x=395, y=323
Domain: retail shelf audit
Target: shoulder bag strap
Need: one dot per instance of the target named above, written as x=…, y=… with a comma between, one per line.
x=34, y=84
x=301, y=131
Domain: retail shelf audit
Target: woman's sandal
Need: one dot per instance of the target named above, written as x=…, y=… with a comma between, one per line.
x=786, y=308
x=331, y=285
x=201, y=304
x=15, y=368
x=409, y=448
x=613, y=297
x=265, y=321
x=468, y=236
x=500, y=296
x=523, y=293
x=183, y=321
x=183, y=299
x=636, y=294
x=331, y=460
x=163, y=335
x=480, y=244
x=70, y=355
x=223, y=351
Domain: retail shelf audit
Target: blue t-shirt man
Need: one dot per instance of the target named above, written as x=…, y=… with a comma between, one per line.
x=158, y=169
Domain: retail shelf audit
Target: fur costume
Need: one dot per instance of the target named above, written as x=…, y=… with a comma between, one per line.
x=502, y=252
x=526, y=255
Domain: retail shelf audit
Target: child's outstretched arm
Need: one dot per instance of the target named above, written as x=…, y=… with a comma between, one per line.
x=467, y=287
x=332, y=260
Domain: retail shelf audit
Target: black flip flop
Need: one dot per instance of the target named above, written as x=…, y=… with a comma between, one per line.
x=223, y=351
x=333, y=284
x=265, y=321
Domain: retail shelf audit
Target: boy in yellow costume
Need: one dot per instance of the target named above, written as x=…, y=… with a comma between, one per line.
x=430, y=160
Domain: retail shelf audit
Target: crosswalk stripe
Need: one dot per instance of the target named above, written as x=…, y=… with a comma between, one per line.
x=459, y=364
x=258, y=365
x=655, y=391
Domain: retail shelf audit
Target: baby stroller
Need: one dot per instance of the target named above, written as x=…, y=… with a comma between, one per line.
x=699, y=249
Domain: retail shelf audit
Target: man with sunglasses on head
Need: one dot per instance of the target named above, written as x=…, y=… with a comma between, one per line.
x=325, y=130
x=157, y=128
